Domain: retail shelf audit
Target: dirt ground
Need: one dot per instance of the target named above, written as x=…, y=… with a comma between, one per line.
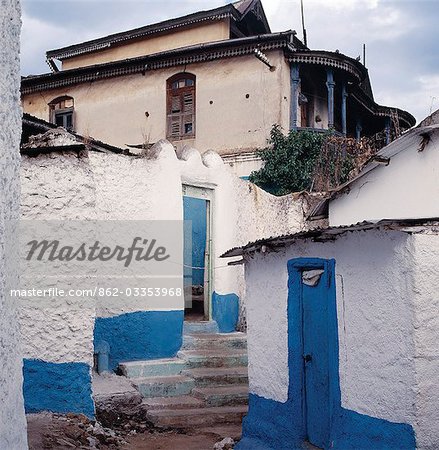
x=172, y=441
x=64, y=432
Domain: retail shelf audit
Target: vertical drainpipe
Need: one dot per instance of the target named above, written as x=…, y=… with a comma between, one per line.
x=295, y=81
x=344, y=96
x=387, y=130
x=358, y=130
x=330, y=84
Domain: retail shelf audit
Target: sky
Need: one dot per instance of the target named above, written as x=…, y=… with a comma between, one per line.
x=401, y=36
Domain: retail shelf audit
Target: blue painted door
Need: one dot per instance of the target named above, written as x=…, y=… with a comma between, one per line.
x=315, y=289
x=195, y=215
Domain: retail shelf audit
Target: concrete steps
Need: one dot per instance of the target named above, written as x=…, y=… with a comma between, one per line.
x=164, y=386
x=205, y=385
x=222, y=395
x=153, y=368
x=190, y=418
x=181, y=402
x=200, y=327
x=204, y=377
x=215, y=341
x=214, y=358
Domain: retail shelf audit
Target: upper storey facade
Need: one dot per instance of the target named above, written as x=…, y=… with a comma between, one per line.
x=216, y=79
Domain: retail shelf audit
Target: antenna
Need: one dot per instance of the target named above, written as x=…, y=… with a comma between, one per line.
x=433, y=99
x=303, y=24
x=364, y=55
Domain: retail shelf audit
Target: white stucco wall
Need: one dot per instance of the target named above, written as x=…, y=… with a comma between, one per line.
x=12, y=419
x=95, y=186
x=426, y=307
x=118, y=187
x=406, y=188
x=57, y=187
x=375, y=321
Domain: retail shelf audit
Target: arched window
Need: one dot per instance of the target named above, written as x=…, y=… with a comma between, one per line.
x=61, y=112
x=180, y=106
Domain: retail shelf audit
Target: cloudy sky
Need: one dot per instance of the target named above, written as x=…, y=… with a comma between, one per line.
x=401, y=35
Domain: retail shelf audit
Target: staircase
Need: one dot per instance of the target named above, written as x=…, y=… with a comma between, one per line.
x=205, y=385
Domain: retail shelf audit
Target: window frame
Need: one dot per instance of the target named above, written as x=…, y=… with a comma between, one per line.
x=62, y=112
x=182, y=117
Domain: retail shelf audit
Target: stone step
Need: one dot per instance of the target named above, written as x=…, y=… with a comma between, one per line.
x=215, y=341
x=195, y=417
x=209, y=326
x=218, y=376
x=154, y=367
x=222, y=395
x=181, y=402
x=214, y=358
x=171, y=386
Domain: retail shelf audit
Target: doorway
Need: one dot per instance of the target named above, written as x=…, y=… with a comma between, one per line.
x=312, y=291
x=197, y=214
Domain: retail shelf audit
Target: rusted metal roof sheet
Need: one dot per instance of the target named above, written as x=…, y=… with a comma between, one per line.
x=331, y=233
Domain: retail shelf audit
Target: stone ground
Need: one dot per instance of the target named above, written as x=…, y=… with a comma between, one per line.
x=64, y=432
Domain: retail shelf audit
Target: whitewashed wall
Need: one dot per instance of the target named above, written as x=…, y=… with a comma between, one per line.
x=407, y=188
x=374, y=279
x=119, y=187
x=57, y=187
x=12, y=419
x=426, y=324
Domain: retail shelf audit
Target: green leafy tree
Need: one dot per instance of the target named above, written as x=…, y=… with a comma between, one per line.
x=289, y=161
x=309, y=161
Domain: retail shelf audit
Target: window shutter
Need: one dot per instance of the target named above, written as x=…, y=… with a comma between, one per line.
x=181, y=107
x=174, y=126
x=175, y=104
x=188, y=102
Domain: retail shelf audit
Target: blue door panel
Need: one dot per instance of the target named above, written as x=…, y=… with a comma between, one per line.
x=316, y=361
x=195, y=212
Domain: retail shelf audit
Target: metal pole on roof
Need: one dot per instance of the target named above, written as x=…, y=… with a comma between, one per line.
x=303, y=24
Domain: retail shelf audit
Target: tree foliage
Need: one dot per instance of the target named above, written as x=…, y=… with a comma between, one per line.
x=289, y=161
x=310, y=160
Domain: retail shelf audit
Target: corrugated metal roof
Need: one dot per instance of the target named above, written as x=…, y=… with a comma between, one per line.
x=331, y=233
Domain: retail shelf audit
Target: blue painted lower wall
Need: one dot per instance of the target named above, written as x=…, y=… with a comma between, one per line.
x=350, y=429
x=140, y=335
x=278, y=426
x=57, y=387
x=225, y=311
x=271, y=425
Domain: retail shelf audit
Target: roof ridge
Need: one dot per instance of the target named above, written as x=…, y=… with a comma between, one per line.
x=133, y=33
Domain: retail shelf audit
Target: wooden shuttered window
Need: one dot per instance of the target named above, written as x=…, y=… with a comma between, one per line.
x=180, y=107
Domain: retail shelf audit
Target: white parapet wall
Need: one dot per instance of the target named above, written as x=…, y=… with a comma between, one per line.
x=90, y=185
x=12, y=418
